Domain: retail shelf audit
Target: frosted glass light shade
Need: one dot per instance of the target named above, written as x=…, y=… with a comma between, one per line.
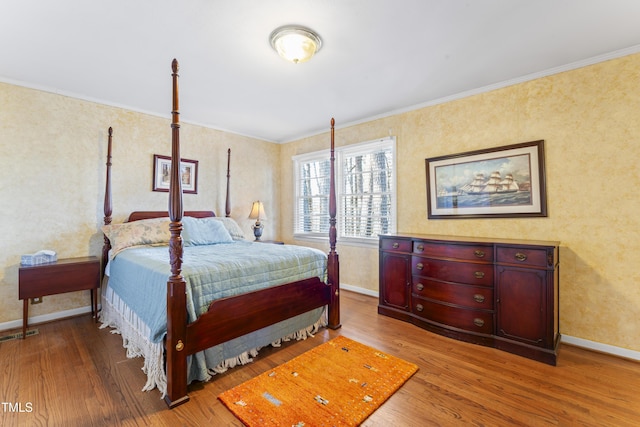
x=295, y=44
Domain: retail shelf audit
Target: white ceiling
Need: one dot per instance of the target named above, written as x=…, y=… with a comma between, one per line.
x=378, y=56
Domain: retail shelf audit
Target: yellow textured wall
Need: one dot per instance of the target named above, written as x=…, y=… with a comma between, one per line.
x=52, y=179
x=590, y=121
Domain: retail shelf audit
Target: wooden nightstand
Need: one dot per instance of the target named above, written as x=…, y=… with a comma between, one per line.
x=64, y=275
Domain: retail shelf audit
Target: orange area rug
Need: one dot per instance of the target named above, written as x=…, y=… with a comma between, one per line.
x=338, y=383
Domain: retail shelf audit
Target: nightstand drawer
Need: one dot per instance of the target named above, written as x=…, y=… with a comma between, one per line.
x=65, y=275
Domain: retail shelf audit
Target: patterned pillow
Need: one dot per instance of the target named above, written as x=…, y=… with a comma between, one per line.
x=204, y=231
x=232, y=227
x=136, y=233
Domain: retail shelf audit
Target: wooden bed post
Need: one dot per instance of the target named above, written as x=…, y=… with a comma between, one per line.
x=176, y=286
x=227, y=205
x=108, y=209
x=231, y=317
x=333, y=265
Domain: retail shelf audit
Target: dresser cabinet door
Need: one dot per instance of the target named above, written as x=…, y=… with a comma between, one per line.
x=522, y=311
x=395, y=280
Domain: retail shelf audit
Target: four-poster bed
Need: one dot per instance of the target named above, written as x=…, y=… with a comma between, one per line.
x=229, y=318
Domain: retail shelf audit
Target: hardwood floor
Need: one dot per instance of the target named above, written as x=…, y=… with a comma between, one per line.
x=74, y=374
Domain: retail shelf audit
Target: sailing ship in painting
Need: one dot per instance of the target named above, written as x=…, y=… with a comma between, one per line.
x=480, y=185
x=497, y=190
x=495, y=184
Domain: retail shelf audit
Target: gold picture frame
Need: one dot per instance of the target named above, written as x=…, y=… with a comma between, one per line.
x=501, y=182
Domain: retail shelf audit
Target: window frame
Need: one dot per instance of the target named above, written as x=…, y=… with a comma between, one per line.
x=340, y=153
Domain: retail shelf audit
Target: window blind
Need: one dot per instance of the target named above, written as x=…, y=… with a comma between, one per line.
x=365, y=185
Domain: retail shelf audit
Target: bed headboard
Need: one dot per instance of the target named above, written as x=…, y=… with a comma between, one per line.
x=138, y=215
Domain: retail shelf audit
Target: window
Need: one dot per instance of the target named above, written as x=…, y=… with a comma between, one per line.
x=311, y=214
x=365, y=192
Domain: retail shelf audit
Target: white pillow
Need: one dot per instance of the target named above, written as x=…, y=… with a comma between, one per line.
x=232, y=227
x=136, y=233
x=203, y=231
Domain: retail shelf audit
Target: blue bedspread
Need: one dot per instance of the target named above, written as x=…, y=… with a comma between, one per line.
x=139, y=275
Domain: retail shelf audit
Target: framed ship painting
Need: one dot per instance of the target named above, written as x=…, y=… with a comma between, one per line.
x=502, y=182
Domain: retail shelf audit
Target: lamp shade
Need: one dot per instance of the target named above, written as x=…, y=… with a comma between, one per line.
x=257, y=211
x=294, y=43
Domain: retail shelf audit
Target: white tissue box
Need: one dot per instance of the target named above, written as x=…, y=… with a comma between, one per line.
x=42, y=257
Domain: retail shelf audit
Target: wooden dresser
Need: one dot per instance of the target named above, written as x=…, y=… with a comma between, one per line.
x=498, y=293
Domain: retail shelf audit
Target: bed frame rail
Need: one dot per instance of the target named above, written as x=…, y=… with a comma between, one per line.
x=254, y=311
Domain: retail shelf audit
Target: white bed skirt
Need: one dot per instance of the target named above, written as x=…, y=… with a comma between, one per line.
x=117, y=315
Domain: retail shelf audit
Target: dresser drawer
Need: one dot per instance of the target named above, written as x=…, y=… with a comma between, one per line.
x=523, y=256
x=395, y=244
x=477, y=297
x=470, y=320
x=468, y=252
x=452, y=271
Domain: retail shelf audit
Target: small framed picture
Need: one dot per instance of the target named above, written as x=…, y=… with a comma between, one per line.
x=162, y=174
x=502, y=182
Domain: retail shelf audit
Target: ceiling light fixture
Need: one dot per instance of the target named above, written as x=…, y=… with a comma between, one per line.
x=295, y=43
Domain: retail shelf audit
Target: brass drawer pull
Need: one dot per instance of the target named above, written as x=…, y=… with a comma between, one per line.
x=520, y=256
x=478, y=322
x=419, y=266
x=478, y=298
x=396, y=245
x=419, y=307
x=479, y=274
x=420, y=247
x=478, y=253
x=419, y=286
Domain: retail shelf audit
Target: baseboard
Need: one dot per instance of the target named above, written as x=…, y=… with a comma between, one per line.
x=359, y=290
x=567, y=339
x=15, y=324
x=602, y=348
